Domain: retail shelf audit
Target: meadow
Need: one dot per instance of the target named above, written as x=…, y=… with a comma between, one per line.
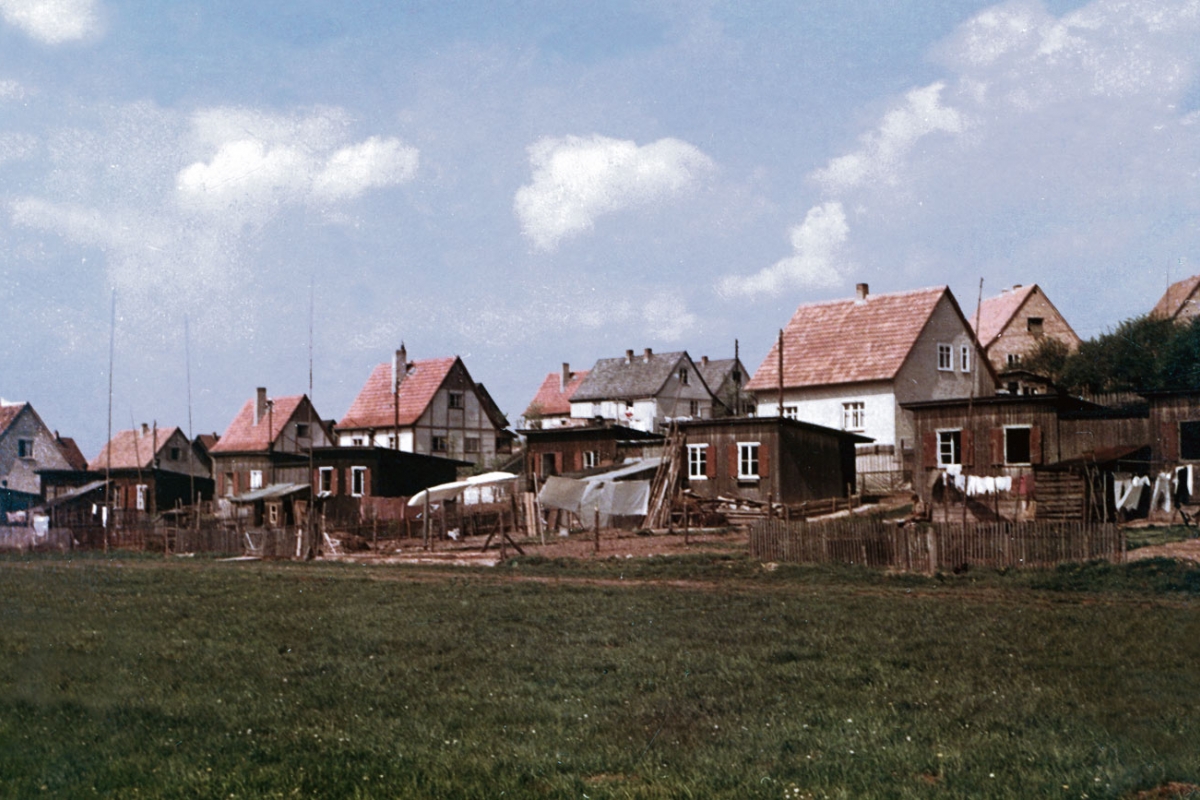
x=704, y=676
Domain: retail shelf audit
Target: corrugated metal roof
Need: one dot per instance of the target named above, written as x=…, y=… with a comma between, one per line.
x=849, y=341
x=377, y=406
x=621, y=379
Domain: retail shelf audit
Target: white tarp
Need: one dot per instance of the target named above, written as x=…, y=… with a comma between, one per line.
x=482, y=485
x=585, y=497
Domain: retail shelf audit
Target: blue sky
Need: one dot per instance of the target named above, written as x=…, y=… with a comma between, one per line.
x=529, y=183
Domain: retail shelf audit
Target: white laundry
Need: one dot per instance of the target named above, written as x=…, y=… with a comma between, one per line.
x=1163, y=490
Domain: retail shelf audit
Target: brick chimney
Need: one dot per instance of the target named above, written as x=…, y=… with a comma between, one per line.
x=649, y=353
x=145, y=429
x=628, y=356
x=260, y=405
x=565, y=379
x=860, y=291
x=399, y=367
x=704, y=361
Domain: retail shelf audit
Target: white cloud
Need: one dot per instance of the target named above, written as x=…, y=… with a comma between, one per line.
x=881, y=158
x=262, y=163
x=667, y=318
x=16, y=146
x=12, y=90
x=816, y=261
x=577, y=179
x=53, y=21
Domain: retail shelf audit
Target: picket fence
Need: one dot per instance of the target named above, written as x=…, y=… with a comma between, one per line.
x=934, y=548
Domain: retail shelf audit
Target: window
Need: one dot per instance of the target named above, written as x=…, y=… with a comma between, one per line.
x=24, y=448
x=945, y=357
x=455, y=400
x=854, y=416
x=302, y=430
x=1013, y=359
x=791, y=412
x=391, y=441
x=747, y=460
x=358, y=481
x=683, y=375
x=273, y=513
x=1034, y=325
x=256, y=479
x=471, y=444
x=1017, y=445
x=1189, y=440
x=229, y=484
x=503, y=444
x=949, y=448
x=591, y=458
x=694, y=408
x=141, y=497
x=964, y=360
x=698, y=462
x=357, y=441
x=440, y=444
x=325, y=481
x=174, y=455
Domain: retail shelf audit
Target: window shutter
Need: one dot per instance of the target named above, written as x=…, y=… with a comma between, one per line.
x=997, y=436
x=733, y=460
x=1035, y=444
x=1169, y=439
x=966, y=441
x=367, y=482
x=710, y=462
x=577, y=458
x=929, y=449
x=763, y=460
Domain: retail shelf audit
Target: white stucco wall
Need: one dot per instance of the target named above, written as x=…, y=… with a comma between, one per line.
x=824, y=406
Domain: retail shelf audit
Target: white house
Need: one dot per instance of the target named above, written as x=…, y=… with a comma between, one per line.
x=849, y=364
x=643, y=391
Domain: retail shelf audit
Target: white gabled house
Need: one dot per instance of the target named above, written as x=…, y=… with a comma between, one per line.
x=850, y=364
x=643, y=391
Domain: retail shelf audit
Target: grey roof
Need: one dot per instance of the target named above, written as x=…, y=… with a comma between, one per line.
x=717, y=370
x=616, y=379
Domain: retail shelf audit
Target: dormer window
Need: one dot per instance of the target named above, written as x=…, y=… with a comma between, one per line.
x=683, y=376
x=24, y=448
x=455, y=400
x=302, y=431
x=1034, y=325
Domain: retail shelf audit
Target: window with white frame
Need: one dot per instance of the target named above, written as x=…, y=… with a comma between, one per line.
x=24, y=448
x=141, y=497
x=358, y=481
x=683, y=375
x=945, y=356
x=854, y=416
x=256, y=479
x=698, y=462
x=1013, y=359
x=357, y=441
x=694, y=408
x=949, y=447
x=591, y=458
x=791, y=412
x=325, y=481
x=747, y=461
x=964, y=358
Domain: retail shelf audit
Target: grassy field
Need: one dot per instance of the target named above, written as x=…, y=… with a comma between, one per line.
x=687, y=677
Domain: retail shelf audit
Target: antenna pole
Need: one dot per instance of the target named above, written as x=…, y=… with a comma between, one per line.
x=112, y=335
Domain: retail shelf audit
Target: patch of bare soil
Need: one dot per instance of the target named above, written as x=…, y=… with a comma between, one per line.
x=1187, y=551
x=1168, y=791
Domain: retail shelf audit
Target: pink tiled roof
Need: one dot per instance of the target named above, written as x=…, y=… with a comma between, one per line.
x=376, y=406
x=131, y=449
x=243, y=436
x=8, y=413
x=550, y=399
x=848, y=341
x=997, y=312
x=1176, y=295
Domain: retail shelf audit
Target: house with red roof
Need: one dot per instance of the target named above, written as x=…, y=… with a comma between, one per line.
x=152, y=469
x=26, y=447
x=430, y=406
x=551, y=406
x=849, y=364
x=1181, y=301
x=268, y=444
x=1011, y=324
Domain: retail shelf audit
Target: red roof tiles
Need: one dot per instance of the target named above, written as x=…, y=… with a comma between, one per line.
x=1177, y=294
x=376, y=406
x=849, y=341
x=243, y=436
x=8, y=413
x=132, y=449
x=551, y=398
x=996, y=312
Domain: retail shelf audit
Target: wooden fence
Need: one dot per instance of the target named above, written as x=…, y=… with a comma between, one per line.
x=934, y=548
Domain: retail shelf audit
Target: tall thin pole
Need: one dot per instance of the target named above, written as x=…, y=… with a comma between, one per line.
x=971, y=400
x=187, y=360
x=112, y=336
x=737, y=384
x=312, y=434
x=780, y=348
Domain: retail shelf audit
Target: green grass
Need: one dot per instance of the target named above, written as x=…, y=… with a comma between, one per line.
x=1149, y=537
x=202, y=679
